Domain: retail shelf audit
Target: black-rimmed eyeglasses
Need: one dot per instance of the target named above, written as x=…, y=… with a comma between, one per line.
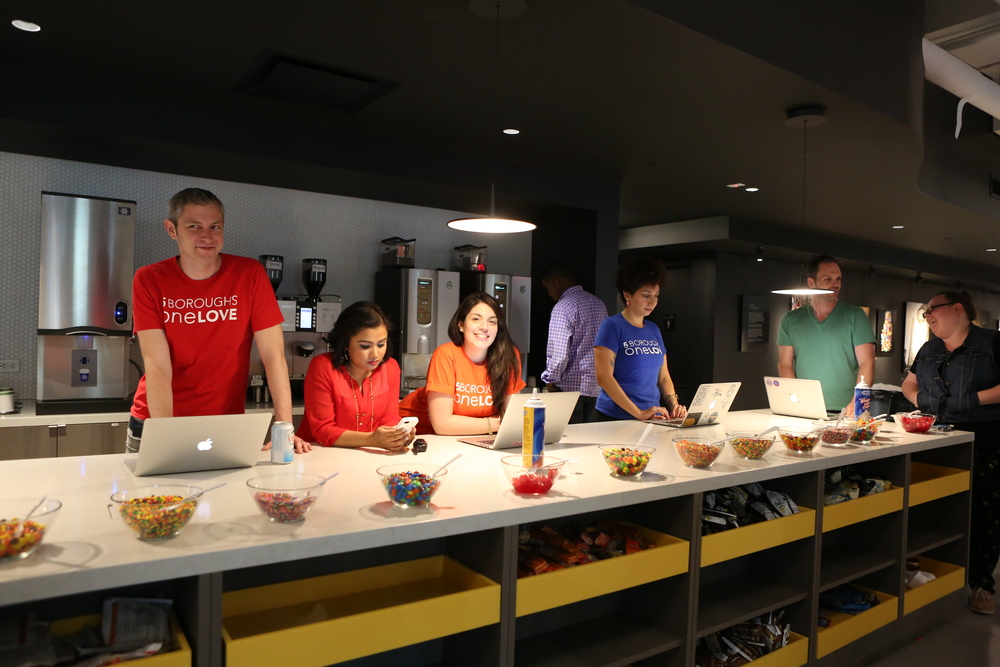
x=930, y=309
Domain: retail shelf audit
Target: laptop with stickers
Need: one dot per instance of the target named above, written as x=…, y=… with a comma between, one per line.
x=795, y=397
x=711, y=403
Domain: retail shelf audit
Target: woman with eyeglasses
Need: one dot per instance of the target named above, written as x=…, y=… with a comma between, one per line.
x=955, y=376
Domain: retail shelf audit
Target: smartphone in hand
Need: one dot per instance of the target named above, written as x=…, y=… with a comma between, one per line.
x=407, y=423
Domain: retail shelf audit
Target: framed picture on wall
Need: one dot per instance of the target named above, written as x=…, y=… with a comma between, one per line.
x=915, y=331
x=886, y=324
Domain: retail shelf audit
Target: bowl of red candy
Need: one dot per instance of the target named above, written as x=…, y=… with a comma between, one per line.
x=627, y=460
x=798, y=439
x=915, y=422
x=285, y=497
x=532, y=475
x=698, y=452
x=19, y=538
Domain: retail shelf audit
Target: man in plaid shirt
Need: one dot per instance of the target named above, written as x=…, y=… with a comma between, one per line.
x=569, y=354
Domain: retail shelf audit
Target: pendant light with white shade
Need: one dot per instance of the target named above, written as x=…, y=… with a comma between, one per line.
x=493, y=224
x=804, y=117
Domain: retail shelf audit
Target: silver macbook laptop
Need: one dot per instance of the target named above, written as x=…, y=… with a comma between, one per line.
x=193, y=444
x=559, y=407
x=711, y=403
x=796, y=397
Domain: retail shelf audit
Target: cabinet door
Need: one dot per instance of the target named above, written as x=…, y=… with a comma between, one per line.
x=28, y=442
x=88, y=439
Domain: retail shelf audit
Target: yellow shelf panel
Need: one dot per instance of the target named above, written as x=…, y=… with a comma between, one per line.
x=349, y=615
x=862, y=509
x=950, y=578
x=180, y=656
x=845, y=628
x=793, y=654
x=555, y=589
x=757, y=537
x=930, y=482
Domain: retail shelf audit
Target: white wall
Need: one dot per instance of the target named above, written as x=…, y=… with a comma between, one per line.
x=259, y=220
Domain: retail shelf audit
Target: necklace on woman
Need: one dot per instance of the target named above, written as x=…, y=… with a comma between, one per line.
x=357, y=405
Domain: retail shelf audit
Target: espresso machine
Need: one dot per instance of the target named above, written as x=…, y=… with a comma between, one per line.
x=420, y=302
x=308, y=317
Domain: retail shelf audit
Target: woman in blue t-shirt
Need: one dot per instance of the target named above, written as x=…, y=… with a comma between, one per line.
x=629, y=354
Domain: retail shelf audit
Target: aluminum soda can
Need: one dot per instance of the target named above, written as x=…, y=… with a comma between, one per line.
x=533, y=442
x=282, y=449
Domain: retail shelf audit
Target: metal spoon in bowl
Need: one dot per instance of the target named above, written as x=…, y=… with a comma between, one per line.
x=24, y=521
x=328, y=478
x=448, y=463
x=199, y=494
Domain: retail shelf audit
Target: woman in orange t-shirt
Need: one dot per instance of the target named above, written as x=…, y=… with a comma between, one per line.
x=468, y=379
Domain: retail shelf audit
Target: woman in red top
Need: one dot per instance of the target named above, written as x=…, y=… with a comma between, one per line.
x=352, y=392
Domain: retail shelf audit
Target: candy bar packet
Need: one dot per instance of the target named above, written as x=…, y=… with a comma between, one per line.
x=131, y=623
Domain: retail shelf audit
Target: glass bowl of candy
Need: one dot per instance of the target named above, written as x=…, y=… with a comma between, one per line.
x=915, y=422
x=532, y=475
x=411, y=484
x=286, y=497
x=698, y=452
x=19, y=538
x=749, y=445
x=865, y=430
x=156, y=512
x=627, y=460
x=798, y=439
x=837, y=434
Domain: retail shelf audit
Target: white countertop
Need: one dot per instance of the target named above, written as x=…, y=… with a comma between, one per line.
x=28, y=417
x=89, y=548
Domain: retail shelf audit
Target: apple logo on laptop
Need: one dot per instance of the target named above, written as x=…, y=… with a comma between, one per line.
x=205, y=445
x=794, y=398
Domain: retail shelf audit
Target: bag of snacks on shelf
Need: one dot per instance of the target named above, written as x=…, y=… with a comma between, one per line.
x=132, y=623
x=847, y=599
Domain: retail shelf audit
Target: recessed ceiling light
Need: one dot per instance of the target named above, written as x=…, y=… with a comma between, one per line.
x=511, y=130
x=736, y=185
x=752, y=189
x=897, y=226
x=27, y=26
x=991, y=250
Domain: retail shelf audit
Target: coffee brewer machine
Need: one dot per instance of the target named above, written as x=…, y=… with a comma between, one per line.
x=420, y=302
x=308, y=317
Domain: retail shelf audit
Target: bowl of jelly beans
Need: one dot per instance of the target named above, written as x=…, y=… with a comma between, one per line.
x=799, y=440
x=627, y=460
x=411, y=484
x=698, y=452
x=915, y=422
x=532, y=475
x=156, y=512
x=750, y=445
x=285, y=497
x=19, y=537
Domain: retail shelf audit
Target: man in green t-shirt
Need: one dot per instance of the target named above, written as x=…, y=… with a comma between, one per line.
x=827, y=340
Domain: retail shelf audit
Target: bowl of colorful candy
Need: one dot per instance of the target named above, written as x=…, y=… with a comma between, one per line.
x=286, y=497
x=20, y=537
x=837, y=434
x=750, y=445
x=157, y=512
x=798, y=439
x=915, y=422
x=411, y=484
x=865, y=430
x=627, y=460
x=698, y=452
x=532, y=475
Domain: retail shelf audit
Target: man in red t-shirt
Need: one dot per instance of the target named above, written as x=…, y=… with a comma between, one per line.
x=196, y=316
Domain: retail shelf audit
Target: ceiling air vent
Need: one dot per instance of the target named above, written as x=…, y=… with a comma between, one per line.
x=284, y=79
